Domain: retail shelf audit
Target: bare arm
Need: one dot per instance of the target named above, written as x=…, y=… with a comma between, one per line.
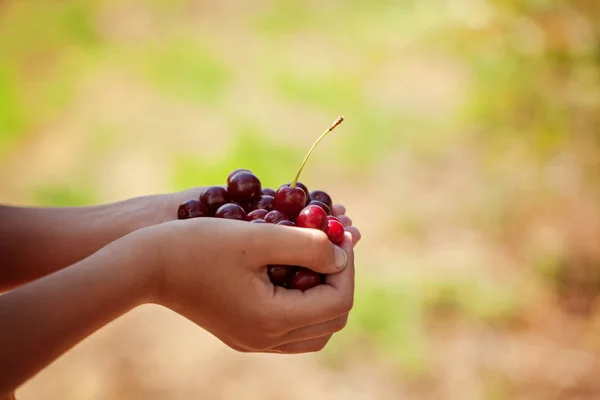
x=35, y=242
x=44, y=319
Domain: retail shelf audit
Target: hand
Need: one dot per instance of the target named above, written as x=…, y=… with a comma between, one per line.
x=213, y=272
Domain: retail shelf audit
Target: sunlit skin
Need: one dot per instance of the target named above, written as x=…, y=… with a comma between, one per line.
x=93, y=264
x=70, y=271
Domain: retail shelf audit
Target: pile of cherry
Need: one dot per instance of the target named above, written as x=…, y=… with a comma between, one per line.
x=245, y=199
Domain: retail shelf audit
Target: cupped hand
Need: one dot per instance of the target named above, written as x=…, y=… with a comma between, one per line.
x=213, y=272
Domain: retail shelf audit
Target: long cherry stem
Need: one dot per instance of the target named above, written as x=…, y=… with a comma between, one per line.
x=332, y=127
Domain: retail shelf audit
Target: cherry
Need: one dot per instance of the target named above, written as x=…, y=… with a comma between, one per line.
x=257, y=214
x=231, y=211
x=312, y=217
x=244, y=187
x=304, y=279
x=279, y=274
x=286, y=223
x=268, y=192
x=332, y=217
x=258, y=221
x=335, y=231
x=320, y=204
x=247, y=207
x=301, y=186
x=192, y=209
x=321, y=196
x=290, y=200
x=275, y=216
x=235, y=171
x=264, y=202
x=214, y=197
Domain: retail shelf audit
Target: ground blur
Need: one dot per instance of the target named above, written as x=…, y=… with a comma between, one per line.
x=469, y=159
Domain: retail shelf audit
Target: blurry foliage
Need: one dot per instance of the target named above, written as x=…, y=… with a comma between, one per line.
x=533, y=82
x=183, y=68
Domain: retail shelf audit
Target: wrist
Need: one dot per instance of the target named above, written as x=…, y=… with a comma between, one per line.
x=140, y=265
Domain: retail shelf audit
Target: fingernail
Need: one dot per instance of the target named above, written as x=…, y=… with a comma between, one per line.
x=340, y=258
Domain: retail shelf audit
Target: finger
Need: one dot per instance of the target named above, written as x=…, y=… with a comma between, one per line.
x=345, y=220
x=317, y=330
x=356, y=236
x=338, y=210
x=344, y=281
x=305, y=346
x=309, y=248
x=321, y=303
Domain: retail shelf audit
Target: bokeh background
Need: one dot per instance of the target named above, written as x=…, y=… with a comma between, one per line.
x=469, y=159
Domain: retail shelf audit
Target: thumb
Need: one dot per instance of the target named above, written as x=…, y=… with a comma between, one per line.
x=303, y=247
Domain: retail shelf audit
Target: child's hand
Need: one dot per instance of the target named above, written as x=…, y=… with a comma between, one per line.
x=213, y=271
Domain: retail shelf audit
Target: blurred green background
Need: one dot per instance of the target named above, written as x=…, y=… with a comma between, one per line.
x=469, y=159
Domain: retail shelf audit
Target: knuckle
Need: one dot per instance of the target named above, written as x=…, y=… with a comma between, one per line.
x=340, y=323
x=322, y=245
x=346, y=305
x=318, y=345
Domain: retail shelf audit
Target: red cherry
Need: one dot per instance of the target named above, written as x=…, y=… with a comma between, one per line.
x=275, y=216
x=257, y=214
x=235, y=171
x=286, y=223
x=244, y=187
x=214, y=197
x=290, y=200
x=268, y=192
x=321, y=196
x=264, y=202
x=331, y=217
x=192, y=209
x=304, y=279
x=312, y=217
x=335, y=231
x=301, y=186
x=279, y=274
x=320, y=204
x=231, y=211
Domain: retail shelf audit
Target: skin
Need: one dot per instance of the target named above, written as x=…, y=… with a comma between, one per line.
x=123, y=255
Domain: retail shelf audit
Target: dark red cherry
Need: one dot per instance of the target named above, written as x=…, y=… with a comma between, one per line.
x=264, y=202
x=286, y=223
x=257, y=214
x=304, y=279
x=331, y=217
x=258, y=221
x=335, y=231
x=279, y=274
x=290, y=200
x=247, y=207
x=312, y=217
x=320, y=204
x=268, y=192
x=231, y=211
x=214, y=197
x=244, y=187
x=301, y=186
x=192, y=209
x=235, y=171
x=322, y=197
x=275, y=216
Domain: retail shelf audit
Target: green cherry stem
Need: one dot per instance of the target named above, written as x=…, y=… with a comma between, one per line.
x=332, y=127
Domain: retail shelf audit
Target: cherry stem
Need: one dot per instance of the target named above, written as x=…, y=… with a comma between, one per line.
x=331, y=127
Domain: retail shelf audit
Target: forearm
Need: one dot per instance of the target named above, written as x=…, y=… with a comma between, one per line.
x=38, y=241
x=44, y=319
